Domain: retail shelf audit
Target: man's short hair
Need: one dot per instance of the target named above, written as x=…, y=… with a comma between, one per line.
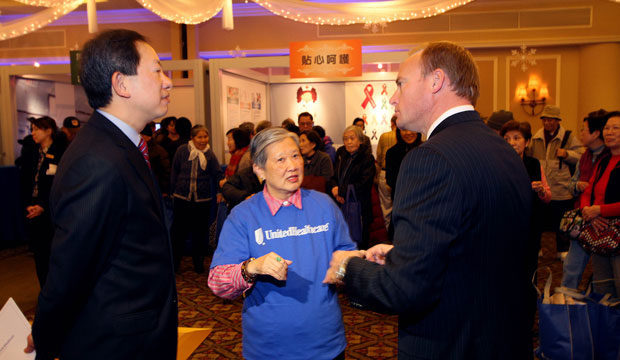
x=108, y=52
x=457, y=63
x=305, y=113
x=357, y=119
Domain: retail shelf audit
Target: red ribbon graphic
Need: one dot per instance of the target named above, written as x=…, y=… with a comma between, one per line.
x=369, y=90
x=384, y=91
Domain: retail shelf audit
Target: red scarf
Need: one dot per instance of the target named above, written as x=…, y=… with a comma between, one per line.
x=231, y=169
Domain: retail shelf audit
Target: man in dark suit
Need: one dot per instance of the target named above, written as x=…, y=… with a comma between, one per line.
x=110, y=293
x=455, y=274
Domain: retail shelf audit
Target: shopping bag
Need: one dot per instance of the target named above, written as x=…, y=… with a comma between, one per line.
x=564, y=329
x=586, y=328
x=352, y=213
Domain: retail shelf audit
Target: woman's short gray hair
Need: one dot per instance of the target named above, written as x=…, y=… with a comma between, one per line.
x=356, y=129
x=262, y=140
x=198, y=128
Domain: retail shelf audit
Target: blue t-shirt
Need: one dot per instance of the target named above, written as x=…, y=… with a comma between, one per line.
x=298, y=318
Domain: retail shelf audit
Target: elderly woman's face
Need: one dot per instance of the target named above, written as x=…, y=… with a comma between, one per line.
x=516, y=140
x=351, y=141
x=284, y=169
x=201, y=140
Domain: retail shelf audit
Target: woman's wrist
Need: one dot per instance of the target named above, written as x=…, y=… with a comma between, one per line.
x=247, y=275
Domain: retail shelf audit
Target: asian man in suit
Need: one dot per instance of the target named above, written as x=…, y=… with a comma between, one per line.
x=455, y=272
x=110, y=292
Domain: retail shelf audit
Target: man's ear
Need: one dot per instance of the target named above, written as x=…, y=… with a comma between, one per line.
x=439, y=79
x=119, y=85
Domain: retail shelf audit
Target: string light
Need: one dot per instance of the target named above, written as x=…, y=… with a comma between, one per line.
x=374, y=22
x=182, y=19
x=40, y=19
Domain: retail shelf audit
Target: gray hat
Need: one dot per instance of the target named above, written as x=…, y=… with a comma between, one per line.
x=499, y=118
x=551, y=111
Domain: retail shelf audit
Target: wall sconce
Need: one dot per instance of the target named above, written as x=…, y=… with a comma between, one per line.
x=533, y=97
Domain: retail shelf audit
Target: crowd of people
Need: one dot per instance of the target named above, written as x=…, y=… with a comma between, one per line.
x=464, y=211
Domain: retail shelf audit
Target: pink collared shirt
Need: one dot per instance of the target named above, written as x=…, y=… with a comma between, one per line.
x=275, y=204
x=225, y=280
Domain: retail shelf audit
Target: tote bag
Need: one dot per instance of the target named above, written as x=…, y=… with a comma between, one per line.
x=352, y=213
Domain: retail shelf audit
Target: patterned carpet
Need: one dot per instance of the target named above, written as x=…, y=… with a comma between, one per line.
x=369, y=335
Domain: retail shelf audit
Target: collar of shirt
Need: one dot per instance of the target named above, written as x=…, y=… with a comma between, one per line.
x=450, y=112
x=275, y=204
x=122, y=126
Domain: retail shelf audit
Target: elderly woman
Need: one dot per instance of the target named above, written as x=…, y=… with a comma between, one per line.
x=518, y=135
x=194, y=178
x=601, y=201
x=37, y=173
x=317, y=164
x=275, y=248
x=355, y=166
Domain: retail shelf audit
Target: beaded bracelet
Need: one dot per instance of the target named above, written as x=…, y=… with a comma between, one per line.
x=248, y=278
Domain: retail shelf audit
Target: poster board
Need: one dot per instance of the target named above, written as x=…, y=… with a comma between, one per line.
x=370, y=100
x=243, y=100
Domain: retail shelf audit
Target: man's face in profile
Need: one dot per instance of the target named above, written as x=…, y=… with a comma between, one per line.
x=150, y=87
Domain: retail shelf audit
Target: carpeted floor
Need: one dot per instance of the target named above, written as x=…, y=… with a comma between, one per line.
x=369, y=335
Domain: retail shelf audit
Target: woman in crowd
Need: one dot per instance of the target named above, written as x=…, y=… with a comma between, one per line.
x=37, y=173
x=601, y=201
x=405, y=141
x=178, y=134
x=241, y=186
x=317, y=164
x=161, y=134
x=194, y=179
x=275, y=248
x=518, y=135
x=238, y=142
x=592, y=138
x=355, y=166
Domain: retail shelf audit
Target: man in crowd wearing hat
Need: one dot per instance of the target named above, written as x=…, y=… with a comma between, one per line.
x=558, y=150
x=70, y=128
x=498, y=119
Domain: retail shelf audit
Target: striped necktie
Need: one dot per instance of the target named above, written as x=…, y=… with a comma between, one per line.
x=145, y=151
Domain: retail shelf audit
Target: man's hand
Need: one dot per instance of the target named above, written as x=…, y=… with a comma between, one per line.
x=30, y=345
x=34, y=211
x=338, y=259
x=561, y=153
x=378, y=253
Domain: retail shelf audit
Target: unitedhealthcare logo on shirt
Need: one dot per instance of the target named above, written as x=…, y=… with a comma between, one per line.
x=258, y=235
x=291, y=231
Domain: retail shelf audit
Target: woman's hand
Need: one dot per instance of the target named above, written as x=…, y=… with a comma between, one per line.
x=581, y=186
x=339, y=198
x=271, y=264
x=590, y=212
x=222, y=182
x=538, y=187
x=34, y=211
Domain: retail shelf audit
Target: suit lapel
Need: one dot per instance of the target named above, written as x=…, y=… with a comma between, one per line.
x=132, y=154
